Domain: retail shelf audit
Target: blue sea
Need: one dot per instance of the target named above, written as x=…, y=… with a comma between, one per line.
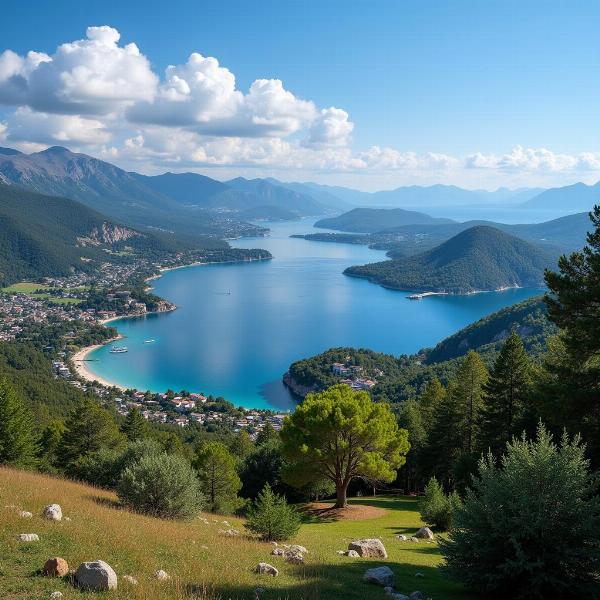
x=238, y=327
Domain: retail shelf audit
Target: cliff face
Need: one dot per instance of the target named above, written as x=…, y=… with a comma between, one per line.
x=108, y=233
x=297, y=388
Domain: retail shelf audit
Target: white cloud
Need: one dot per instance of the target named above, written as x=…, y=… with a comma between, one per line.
x=331, y=127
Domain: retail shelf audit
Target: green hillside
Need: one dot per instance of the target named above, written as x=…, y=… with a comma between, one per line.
x=480, y=258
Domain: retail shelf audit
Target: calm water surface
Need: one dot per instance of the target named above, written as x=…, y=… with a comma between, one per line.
x=239, y=326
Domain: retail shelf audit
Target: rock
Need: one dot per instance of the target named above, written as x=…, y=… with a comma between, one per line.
x=380, y=576
x=352, y=554
x=53, y=512
x=293, y=557
x=56, y=567
x=266, y=569
x=420, y=575
x=56, y=595
x=24, y=514
x=161, y=575
x=402, y=538
x=68, y=519
x=296, y=548
x=229, y=532
x=414, y=539
x=368, y=548
x=130, y=580
x=400, y=597
x=277, y=552
x=341, y=552
x=29, y=537
x=258, y=591
x=425, y=533
x=389, y=590
x=416, y=596
x=96, y=575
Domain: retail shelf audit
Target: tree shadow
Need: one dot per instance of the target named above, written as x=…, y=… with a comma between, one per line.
x=107, y=502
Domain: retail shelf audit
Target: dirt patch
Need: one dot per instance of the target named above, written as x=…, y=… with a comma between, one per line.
x=323, y=510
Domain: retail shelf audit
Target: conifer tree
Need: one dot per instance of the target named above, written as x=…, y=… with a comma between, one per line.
x=135, y=427
x=267, y=434
x=18, y=444
x=241, y=445
x=218, y=477
x=506, y=395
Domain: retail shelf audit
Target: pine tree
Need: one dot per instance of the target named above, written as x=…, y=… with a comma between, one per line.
x=506, y=394
x=88, y=429
x=18, y=444
x=241, y=445
x=135, y=427
x=218, y=477
x=272, y=518
x=266, y=434
x=432, y=395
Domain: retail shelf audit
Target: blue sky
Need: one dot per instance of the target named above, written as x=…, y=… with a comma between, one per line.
x=479, y=93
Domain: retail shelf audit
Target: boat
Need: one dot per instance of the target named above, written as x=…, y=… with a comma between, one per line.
x=118, y=349
x=149, y=341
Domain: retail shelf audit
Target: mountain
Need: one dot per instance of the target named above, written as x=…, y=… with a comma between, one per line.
x=433, y=195
x=574, y=198
x=318, y=192
x=369, y=220
x=42, y=236
x=112, y=191
x=478, y=259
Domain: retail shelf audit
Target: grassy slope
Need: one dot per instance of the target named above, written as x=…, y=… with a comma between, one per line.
x=138, y=545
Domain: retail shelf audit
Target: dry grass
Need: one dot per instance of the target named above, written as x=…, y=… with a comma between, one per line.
x=203, y=563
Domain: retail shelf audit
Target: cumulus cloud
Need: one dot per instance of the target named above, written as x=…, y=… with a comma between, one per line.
x=331, y=127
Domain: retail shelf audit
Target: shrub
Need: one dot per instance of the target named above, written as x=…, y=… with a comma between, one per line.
x=272, y=517
x=162, y=485
x=529, y=528
x=436, y=507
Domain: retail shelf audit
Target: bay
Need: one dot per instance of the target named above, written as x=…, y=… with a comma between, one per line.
x=238, y=327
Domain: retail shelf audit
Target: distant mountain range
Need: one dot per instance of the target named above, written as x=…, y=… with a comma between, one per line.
x=478, y=259
x=574, y=198
x=370, y=220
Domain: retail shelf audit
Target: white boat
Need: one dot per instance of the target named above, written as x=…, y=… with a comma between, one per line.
x=149, y=341
x=118, y=349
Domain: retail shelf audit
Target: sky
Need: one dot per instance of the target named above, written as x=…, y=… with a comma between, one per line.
x=369, y=94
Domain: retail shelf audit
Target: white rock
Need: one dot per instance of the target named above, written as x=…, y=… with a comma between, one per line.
x=29, y=537
x=425, y=533
x=278, y=552
x=53, y=512
x=402, y=538
x=25, y=514
x=352, y=554
x=373, y=548
x=56, y=595
x=96, y=575
x=229, y=532
x=293, y=557
x=297, y=548
x=414, y=539
x=130, y=580
x=380, y=576
x=341, y=552
x=162, y=575
x=266, y=569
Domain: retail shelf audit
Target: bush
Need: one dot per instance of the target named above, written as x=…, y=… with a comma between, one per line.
x=530, y=528
x=436, y=507
x=162, y=485
x=272, y=517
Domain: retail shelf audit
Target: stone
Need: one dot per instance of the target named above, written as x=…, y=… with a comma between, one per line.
x=352, y=554
x=402, y=538
x=56, y=595
x=419, y=575
x=266, y=569
x=341, y=552
x=274, y=544
x=96, y=575
x=52, y=512
x=161, y=575
x=297, y=548
x=414, y=539
x=368, y=548
x=383, y=576
x=229, y=532
x=416, y=596
x=29, y=537
x=293, y=557
x=400, y=597
x=56, y=567
x=425, y=533
x=130, y=580
x=25, y=514
x=277, y=552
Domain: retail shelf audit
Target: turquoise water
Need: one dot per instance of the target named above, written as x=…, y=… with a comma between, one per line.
x=239, y=326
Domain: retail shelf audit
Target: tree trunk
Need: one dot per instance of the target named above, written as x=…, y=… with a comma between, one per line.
x=341, y=492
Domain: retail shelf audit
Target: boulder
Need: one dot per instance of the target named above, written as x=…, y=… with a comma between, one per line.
x=29, y=537
x=278, y=552
x=56, y=567
x=352, y=554
x=161, y=575
x=425, y=533
x=53, y=512
x=402, y=538
x=293, y=557
x=368, y=548
x=414, y=539
x=56, y=595
x=96, y=575
x=297, y=548
x=383, y=576
x=25, y=514
x=129, y=579
x=229, y=532
x=266, y=569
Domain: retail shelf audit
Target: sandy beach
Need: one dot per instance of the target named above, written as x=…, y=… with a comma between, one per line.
x=79, y=362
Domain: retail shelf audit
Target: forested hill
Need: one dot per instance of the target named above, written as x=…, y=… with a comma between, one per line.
x=370, y=220
x=478, y=259
x=42, y=236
